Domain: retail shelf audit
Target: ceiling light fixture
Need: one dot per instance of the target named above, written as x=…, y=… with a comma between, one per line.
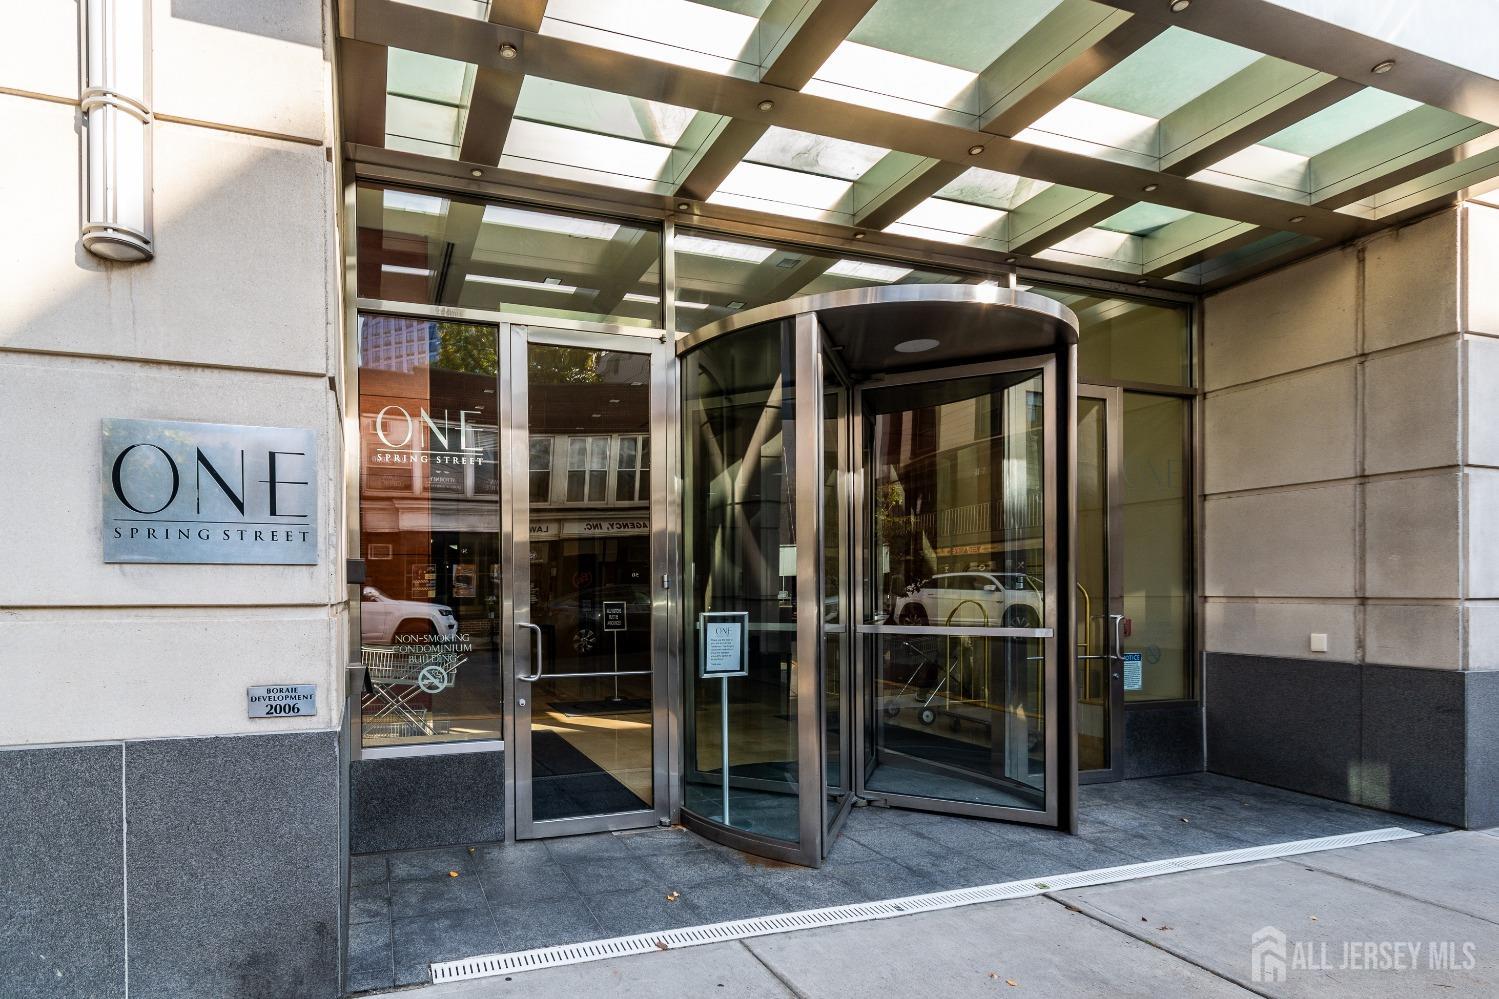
x=1152, y=187
x=1177, y=6
x=1382, y=68
x=766, y=105
x=858, y=235
x=476, y=173
x=508, y=51
x=1009, y=260
x=683, y=206
x=975, y=150
x=1298, y=218
x=1142, y=281
x=915, y=346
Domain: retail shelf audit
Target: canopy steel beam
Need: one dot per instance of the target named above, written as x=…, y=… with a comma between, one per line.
x=361, y=91
x=492, y=105
x=1268, y=27
x=795, y=58
x=391, y=23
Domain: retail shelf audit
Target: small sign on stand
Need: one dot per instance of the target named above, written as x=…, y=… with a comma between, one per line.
x=723, y=651
x=614, y=622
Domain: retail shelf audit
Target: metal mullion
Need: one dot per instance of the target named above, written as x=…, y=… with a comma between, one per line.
x=1081, y=215
x=550, y=57
x=810, y=723
x=1187, y=241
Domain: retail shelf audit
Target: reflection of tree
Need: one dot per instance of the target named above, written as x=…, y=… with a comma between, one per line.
x=899, y=534
x=564, y=366
x=469, y=348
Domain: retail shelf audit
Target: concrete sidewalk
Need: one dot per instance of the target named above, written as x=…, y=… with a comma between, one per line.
x=1390, y=919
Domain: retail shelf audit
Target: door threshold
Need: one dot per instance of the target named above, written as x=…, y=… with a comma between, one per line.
x=489, y=965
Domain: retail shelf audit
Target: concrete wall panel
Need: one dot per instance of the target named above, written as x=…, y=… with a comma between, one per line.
x=63, y=552
x=1295, y=543
x=1410, y=283
x=1281, y=628
x=1290, y=319
x=223, y=289
x=1411, y=536
x=141, y=674
x=1412, y=406
x=1481, y=509
x=1299, y=428
x=39, y=52
x=1427, y=635
x=254, y=65
x=1482, y=393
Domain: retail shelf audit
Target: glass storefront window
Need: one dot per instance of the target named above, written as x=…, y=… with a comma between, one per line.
x=429, y=531
x=718, y=276
x=436, y=249
x=1157, y=590
x=1126, y=339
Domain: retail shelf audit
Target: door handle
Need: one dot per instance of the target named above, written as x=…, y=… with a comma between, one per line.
x=1116, y=633
x=536, y=648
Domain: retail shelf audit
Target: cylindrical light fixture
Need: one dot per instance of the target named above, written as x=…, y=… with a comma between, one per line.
x=117, y=130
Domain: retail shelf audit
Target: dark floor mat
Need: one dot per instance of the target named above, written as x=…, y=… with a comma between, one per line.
x=567, y=783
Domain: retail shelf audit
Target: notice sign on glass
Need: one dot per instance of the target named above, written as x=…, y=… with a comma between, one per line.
x=208, y=492
x=1134, y=671
x=723, y=643
x=614, y=615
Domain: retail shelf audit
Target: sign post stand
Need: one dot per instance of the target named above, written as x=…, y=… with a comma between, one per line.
x=614, y=623
x=723, y=651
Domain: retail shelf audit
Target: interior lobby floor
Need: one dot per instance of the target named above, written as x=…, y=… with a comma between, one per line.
x=407, y=911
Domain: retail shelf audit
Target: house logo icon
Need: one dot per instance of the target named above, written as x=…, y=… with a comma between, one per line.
x=1267, y=955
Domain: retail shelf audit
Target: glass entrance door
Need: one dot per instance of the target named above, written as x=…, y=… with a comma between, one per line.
x=588, y=492
x=958, y=622
x=1099, y=603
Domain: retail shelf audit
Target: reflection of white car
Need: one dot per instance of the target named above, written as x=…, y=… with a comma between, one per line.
x=993, y=599
x=382, y=618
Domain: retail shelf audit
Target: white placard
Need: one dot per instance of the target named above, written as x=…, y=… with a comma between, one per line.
x=722, y=646
x=1134, y=671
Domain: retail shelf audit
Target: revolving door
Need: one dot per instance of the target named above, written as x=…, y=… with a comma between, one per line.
x=877, y=556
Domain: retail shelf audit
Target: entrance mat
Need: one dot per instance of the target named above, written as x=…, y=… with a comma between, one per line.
x=491, y=965
x=623, y=706
x=566, y=782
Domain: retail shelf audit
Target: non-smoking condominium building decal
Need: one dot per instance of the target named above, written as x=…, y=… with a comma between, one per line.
x=209, y=492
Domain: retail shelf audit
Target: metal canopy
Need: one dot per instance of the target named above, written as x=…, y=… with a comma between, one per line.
x=1117, y=139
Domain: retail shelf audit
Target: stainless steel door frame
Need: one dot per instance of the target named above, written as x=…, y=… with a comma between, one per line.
x=867, y=629
x=843, y=491
x=1113, y=400
x=520, y=654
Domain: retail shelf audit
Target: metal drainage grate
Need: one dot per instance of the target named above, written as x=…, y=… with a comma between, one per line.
x=759, y=926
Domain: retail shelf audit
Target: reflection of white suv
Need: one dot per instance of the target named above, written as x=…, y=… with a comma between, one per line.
x=381, y=618
x=993, y=599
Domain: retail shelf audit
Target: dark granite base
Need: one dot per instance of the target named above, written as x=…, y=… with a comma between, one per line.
x=420, y=802
x=234, y=860
x=1422, y=742
x=1160, y=740
x=62, y=896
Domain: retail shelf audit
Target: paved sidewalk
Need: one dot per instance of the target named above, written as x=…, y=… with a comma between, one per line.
x=1392, y=919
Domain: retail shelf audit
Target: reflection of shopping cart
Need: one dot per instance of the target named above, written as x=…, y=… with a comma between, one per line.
x=396, y=680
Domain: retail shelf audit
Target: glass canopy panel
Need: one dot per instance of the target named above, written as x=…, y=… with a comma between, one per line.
x=953, y=222
x=426, y=103
x=1342, y=146
x=717, y=277
x=1142, y=218
x=926, y=58
x=977, y=186
x=786, y=192
x=578, y=133
x=416, y=247
x=1118, y=115
x=719, y=36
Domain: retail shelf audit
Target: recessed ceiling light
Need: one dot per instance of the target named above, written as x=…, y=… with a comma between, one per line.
x=1152, y=187
x=975, y=150
x=915, y=346
x=1142, y=281
x=1177, y=6
x=766, y=105
x=1384, y=67
x=683, y=206
x=1298, y=218
x=1009, y=260
x=858, y=235
x=508, y=51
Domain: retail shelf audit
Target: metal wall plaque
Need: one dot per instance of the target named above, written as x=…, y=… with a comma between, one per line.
x=614, y=615
x=291, y=700
x=209, y=492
